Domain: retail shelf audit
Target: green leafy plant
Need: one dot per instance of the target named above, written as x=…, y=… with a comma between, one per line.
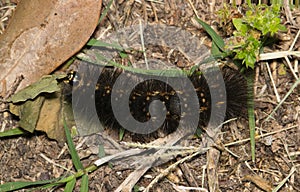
x=253, y=31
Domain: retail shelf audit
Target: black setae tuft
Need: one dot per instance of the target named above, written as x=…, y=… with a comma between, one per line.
x=144, y=93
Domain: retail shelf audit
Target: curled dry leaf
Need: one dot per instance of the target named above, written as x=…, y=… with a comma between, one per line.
x=42, y=35
x=41, y=107
x=259, y=181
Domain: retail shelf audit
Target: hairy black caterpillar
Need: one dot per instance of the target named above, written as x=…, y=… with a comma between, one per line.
x=145, y=92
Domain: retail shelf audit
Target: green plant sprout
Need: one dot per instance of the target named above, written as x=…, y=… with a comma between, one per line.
x=253, y=31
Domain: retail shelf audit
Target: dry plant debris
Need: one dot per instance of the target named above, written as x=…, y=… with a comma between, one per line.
x=35, y=157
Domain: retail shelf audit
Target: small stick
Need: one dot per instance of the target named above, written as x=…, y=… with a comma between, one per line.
x=273, y=83
x=143, y=44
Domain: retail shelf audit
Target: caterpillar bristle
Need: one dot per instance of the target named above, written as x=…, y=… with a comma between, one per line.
x=147, y=91
x=236, y=92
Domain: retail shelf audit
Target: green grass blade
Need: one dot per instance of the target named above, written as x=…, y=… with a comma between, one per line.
x=283, y=182
x=284, y=98
x=215, y=37
x=13, y=132
x=12, y=186
x=250, y=105
x=75, y=158
x=121, y=134
x=104, y=13
x=101, y=60
x=215, y=51
x=84, y=187
x=98, y=43
x=70, y=185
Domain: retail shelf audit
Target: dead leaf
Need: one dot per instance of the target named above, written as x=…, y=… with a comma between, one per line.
x=47, y=84
x=28, y=113
x=42, y=35
x=259, y=181
x=51, y=118
x=42, y=107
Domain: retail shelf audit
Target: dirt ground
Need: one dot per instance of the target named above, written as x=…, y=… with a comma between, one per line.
x=35, y=157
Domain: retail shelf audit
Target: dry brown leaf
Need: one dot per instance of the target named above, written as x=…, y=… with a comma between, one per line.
x=42, y=35
x=50, y=119
x=258, y=181
x=28, y=113
x=42, y=106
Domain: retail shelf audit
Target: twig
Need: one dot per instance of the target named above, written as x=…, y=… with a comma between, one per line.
x=188, y=175
x=143, y=44
x=285, y=97
x=294, y=42
x=169, y=169
x=151, y=146
x=122, y=154
x=194, y=9
x=288, y=12
x=260, y=136
x=283, y=54
x=58, y=165
x=278, y=55
x=290, y=66
x=131, y=180
x=292, y=171
x=273, y=83
x=184, y=188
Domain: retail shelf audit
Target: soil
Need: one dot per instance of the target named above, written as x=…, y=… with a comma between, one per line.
x=225, y=167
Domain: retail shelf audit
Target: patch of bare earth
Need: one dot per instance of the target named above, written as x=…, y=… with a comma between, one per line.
x=229, y=165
